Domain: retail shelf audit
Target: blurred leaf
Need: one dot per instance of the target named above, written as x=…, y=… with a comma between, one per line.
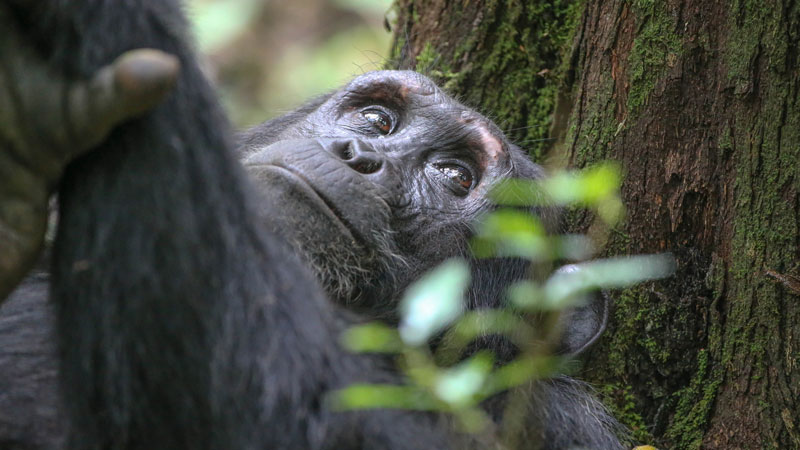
x=586, y=187
x=565, y=286
x=459, y=385
x=479, y=323
x=433, y=302
x=372, y=337
x=510, y=232
x=597, y=187
x=473, y=420
x=372, y=396
x=610, y=210
x=600, y=182
x=514, y=233
x=522, y=370
x=527, y=294
x=575, y=247
x=519, y=192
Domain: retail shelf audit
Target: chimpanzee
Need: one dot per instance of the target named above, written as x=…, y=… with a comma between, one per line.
x=180, y=318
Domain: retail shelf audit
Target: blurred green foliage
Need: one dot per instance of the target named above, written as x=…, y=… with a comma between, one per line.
x=217, y=23
x=268, y=57
x=439, y=378
x=433, y=302
x=305, y=72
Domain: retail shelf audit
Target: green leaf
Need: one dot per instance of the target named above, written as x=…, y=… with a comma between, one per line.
x=522, y=370
x=481, y=323
x=574, y=247
x=459, y=385
x=527, y=295
x=587, y=187
x=514, y=233
x=433, y=302
x=564, y=287
x=373, y=396
x=372, y=337
x=519, y=192
x=600, y=182
x=597, y=187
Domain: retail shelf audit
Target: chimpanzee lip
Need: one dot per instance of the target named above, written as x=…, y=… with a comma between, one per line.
x=327, y=206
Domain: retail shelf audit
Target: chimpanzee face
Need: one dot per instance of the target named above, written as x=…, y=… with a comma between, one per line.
x=385, y=178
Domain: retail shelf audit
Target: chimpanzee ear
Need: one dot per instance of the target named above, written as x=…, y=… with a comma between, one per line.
x=583, y=324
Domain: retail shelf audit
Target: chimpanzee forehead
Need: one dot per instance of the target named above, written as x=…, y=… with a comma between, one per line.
x=404, y=89
x=402, y=83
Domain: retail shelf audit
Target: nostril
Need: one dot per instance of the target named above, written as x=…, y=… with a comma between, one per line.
x=347, y=153
x=358, y=155
x=366, y=167
x=342, y=149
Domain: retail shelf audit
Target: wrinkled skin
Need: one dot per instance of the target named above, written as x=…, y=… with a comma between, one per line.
x=181, y=321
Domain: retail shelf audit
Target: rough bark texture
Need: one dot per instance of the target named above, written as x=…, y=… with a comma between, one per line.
x=700, y=102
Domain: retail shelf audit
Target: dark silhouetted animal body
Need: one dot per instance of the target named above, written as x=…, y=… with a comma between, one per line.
x=182, y=318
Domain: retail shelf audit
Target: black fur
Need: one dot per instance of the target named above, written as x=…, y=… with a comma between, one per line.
x=182, y=321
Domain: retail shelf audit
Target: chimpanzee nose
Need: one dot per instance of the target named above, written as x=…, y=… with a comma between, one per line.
x=359, y=156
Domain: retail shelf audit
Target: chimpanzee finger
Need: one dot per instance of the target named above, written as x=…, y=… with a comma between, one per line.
x=133, y=84
x=47, y=118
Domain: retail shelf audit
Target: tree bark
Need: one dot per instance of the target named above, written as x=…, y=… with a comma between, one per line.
x=700, y=103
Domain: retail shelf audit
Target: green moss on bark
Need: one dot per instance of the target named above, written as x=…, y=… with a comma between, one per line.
x=427, y=58
x=503, y=56
x=694, y=405
x=656, y=47
x=764, y=145
x=622, y=403
x=598, y=127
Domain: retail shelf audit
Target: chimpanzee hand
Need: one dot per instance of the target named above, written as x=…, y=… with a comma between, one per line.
x=46, y=120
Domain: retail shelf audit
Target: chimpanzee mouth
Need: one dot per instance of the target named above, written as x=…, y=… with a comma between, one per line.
x=319, y=201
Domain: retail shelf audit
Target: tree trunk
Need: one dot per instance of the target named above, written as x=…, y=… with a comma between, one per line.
x=700, y=103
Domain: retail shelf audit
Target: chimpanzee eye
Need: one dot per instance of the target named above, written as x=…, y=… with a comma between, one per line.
x=457, y=174
x=379, y=120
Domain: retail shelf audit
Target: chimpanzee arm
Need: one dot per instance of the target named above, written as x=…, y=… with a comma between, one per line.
x=46, y=119
x=180, y=322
